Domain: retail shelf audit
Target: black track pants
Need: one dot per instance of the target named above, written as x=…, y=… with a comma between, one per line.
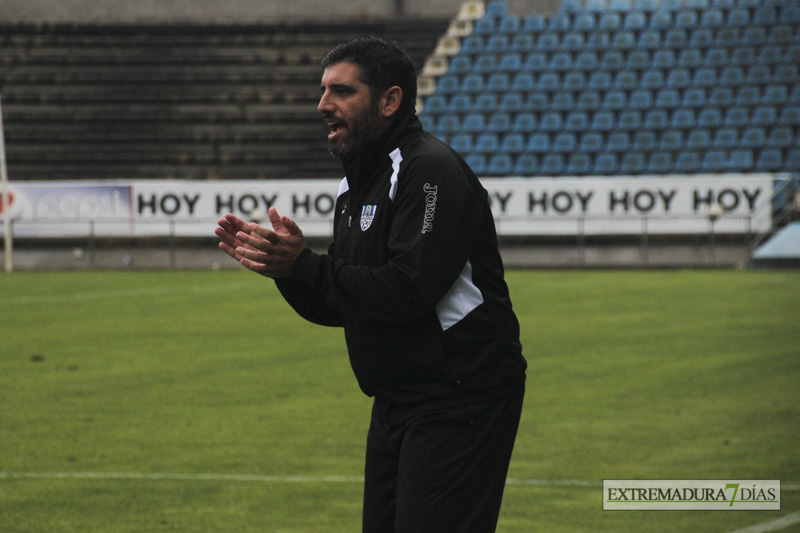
x=442, y=471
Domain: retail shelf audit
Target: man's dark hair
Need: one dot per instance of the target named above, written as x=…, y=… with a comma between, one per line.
x=382, y=65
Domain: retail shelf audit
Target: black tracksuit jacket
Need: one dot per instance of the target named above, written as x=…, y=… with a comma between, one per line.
x=415, y=278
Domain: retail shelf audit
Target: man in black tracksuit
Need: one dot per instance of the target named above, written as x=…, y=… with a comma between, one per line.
x=415, y=278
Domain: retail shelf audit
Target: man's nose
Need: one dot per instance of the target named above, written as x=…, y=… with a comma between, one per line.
x=324, y=105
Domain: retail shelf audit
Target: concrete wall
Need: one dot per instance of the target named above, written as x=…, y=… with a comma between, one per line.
x=204, y=11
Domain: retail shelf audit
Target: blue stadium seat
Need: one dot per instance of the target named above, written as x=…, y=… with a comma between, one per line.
x=765, y=16
x=448, y=84
x=564, y=142
x=733, y=76
x=500, y=165
x=626, y=79
x=647, y=6
x=512, y=102
x=630, y=120
x=686, y=19
x=497, y=44
x=709, y=117
x=671, y=140
x=754, y=137
x=460, y=103
x=523, y=82
x=770, y=55
x=787, y=74
x=477, y=163
x=660, y=163
x=533, y=23
x=702, y=38
x=712, y=18
x=698, y=4
x=428, y=122
x=792, y=163
x=603, y=120
x=536, y=62
x=644, y=141
x=449, y=124
x=754, y=36
x=573, y=42
x=596, y=6
x=485, y=25
x=600, y=80
x=641, y=99
x=497, y=8
x=537, y=101
x=550, y=121
x=609, y=20
x=576, y=121
x=615, y=99
x=487, y=143
x=725, y=138
x=679, y=78
x=552, y=164
x=522, y=43
x=688, y=162
x=619, y=141
x=683, y=118
x=737, y=117
x=635, y=21
x=513, y=143
x=571, y=6
x=743, y=56
x=624, y=40
x=652, y=79
x=473, y=83
x=664, y=59
x=668, y=98
x=656, y=119
x=460, y=64
x=723, y=4
x=741, y=160
x=560, y=61
x=738, y=18
x=672, y=5
x=584, y=22
x=524, y=122
x=472, y=45
x=770, y=159
x=721, y=96
x=435, y=104
x=498, y=82
x=748, y=95
x=620, y=5
x=676, y=38
x=485, y=63
x=559, y=22
x=698, y=139
x=588, y=100
x=650, y=39
x=509, y=25
x=717, y=57
x=462, y=143
x=499, y=123
x=781, y=137
x=715, y=161
x=579, y=163
x=591, y=141
x=549, y=41
x=694, y=97
x=764, y=115
x=638, y=60
x=633, y=163
x=539, y=143
x=549, y=81
x=598, y=40
x=473, y=123
x=563, y=101
x=790, y=116
x=790, y=14
x=486, y=103
x=606, y=163
x=574, y=81
x=758, y=75
x=661, y=20
x=526, y=165
x=704, y=77
x=612, y=60
x=729, y=37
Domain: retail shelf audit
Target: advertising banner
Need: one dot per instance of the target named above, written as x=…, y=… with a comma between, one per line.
x=521, y=206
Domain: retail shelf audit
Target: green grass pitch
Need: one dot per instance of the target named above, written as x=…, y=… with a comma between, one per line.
x=196, y=401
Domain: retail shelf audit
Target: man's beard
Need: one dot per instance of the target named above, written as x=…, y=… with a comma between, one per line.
x=364, y=130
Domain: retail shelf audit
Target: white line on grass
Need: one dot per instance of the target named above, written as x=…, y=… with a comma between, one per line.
x=772, y=525
x=281, y=479
x=127, y=293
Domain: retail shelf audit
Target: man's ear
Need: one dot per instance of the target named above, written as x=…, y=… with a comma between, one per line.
x=390, y=102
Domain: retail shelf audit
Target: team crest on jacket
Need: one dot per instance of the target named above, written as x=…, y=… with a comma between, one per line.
x=367, y=216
